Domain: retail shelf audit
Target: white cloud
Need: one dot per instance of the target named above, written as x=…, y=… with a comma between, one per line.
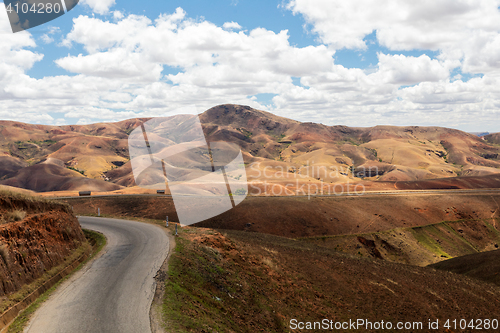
x=117, y=64
x=84, y=121
x=16, y=57
x=117, y=15
x=12, y=47
x=459, y=29
x=231, y=26
x=135, y=45
x=60, y=122
x=402, y=70
x=47, y=37
x=123, y=71
x=400, y=25
x=99, y=6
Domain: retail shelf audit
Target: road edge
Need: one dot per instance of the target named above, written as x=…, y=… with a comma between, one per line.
x=155, y=312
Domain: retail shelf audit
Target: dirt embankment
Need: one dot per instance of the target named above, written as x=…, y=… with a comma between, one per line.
x=139, y=206
x=35, y=236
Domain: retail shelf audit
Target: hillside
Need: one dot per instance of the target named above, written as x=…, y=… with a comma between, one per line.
x=483, y=266
x=46, y=177
x=296, y=217
x=287, y=150
x=493, y=138
x=62, y=157
x=232, y=281
x=399, y=153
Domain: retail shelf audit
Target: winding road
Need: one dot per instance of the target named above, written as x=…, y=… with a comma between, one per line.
x=114, y=292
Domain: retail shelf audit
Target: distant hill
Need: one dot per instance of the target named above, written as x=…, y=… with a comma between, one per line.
x=493, y=138
x=49, y=177
x=56, y=158
x=480, y=134
x=99, y=152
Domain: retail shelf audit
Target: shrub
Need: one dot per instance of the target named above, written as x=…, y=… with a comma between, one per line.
x=16, y=215
x=4, y=253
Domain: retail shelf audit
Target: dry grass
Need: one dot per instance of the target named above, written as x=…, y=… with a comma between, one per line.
x=15, y=206
x=14, y=216
x=4, y=253
x=26, y=197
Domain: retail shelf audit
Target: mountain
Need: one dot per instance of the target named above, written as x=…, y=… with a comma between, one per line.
x=55, y=158
x=400, y=153
x=287, y=150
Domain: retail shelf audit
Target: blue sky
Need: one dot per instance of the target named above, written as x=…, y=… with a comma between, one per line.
x=357, y=63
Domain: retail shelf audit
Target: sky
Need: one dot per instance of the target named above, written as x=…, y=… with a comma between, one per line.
x=355, y=63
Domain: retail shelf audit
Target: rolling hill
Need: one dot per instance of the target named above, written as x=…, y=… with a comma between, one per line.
x=95, y=157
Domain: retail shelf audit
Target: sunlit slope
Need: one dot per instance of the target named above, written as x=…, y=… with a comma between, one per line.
x=396, y=153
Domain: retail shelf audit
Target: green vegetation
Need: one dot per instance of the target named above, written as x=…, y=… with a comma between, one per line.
x=44, y=142
x=31, y=151
x=29, y=288
x=492, y=229
x=445, y=156
x=373, y=151
x=245, y=132
x=29, y=143
x=429, y=242
x=21, y=145
x=128, y=131
x=236, y=281
x=95, y=238
x=240, y=191
x=184, y=289
x=77, y=170
x=351, y=141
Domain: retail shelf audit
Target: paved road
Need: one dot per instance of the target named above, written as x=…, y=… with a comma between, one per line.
x=114, y=292
x=352, y=193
